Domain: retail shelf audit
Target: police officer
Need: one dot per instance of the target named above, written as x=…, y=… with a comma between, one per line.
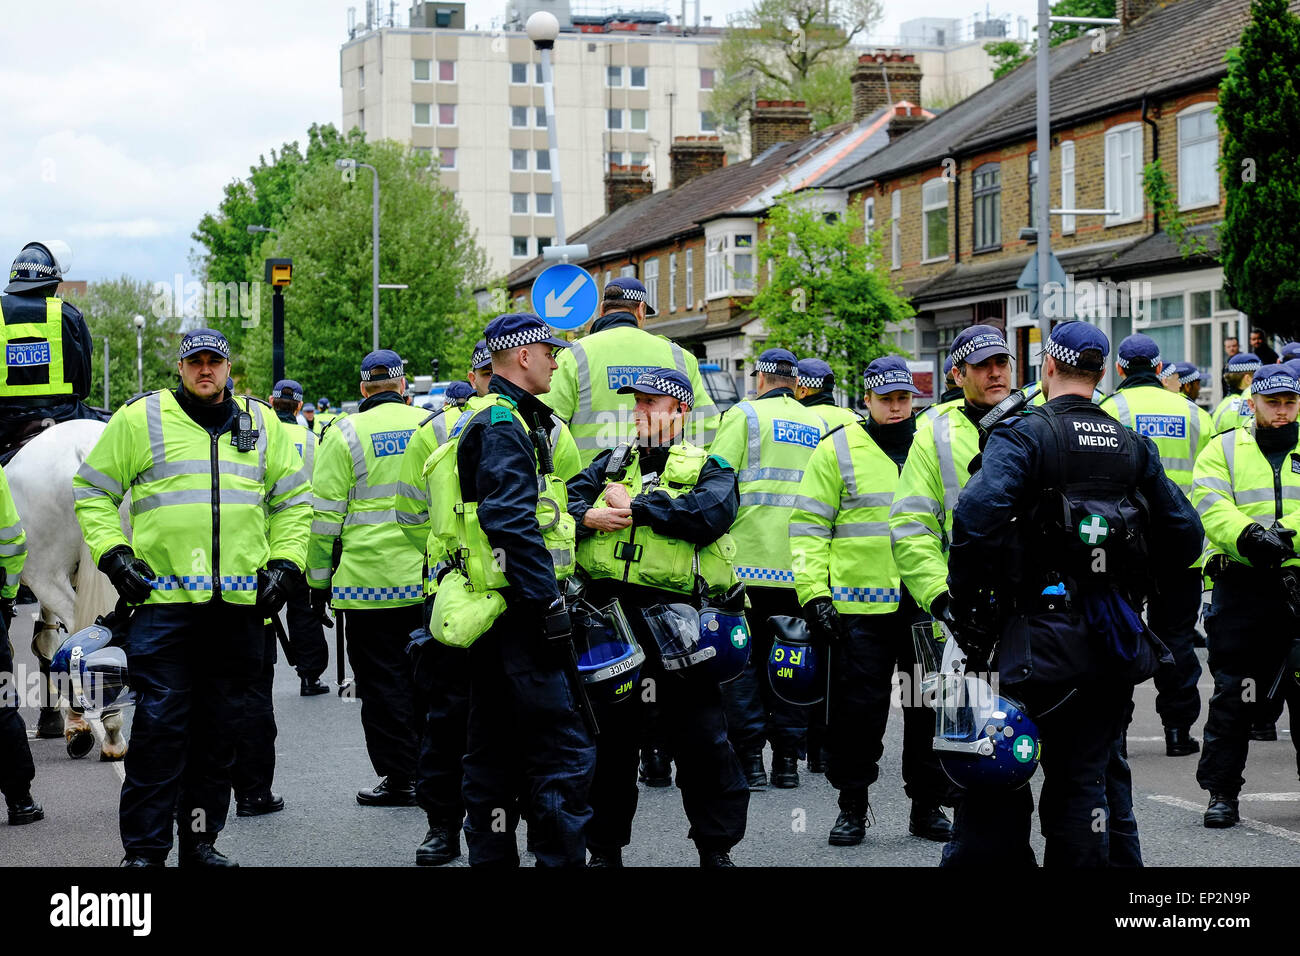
x=585, y=389
x=767, y=440
x=1168, y=376
x=219, y=514
x=1189, y=382
x=1248, y=493
x=377, y=583
x=632, y=540
x=526, y=737
x=16, y=768
x=458, y=393
x=1180, y=431
x=306, y=626
x=952, y=390
x=816, y=390
x=852, y=598
x=1234, y=410
x=308, y=414
x=1032, y=530
x=47, y=346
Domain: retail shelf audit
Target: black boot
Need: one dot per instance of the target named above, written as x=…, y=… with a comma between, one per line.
x=785, y=771
x=851, y=825
x=928, y=822
x=258, y=804
x=392, y=791
x=312, y=686
x=715, y=859
x=656, y=768
x=49, y=724
x=23, y=809
x=817, y=760
x=610, y=858
x=441, y=845
x=1264, y=730
x=205, y=856
x=1222, y=812
x=755, y=775
x=1179, y=742
x=131, y=860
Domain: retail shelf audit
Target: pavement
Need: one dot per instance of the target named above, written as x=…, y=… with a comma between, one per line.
x=321, y=763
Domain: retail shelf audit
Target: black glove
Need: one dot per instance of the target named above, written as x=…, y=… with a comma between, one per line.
x=274, y=583
x=557, y=626
x=1265, y=547
x=320, y=602
x=967, y=630
x=8, y=609
x=130, y=575
x=822, y=619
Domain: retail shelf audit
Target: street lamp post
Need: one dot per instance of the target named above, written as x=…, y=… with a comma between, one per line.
x=542, y=29
x=139, y=352
x=374, y=242
x=106, y=398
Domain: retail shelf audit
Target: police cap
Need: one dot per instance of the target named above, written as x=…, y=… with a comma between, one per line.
x=1070, y=340
x=977, y=343
x=627, y=289
x=287, y=388
x=889, y=374
x=814, y=373
x=1243, y=362
x=1274, y=380
x=516, y=329
x=382, y=364
x=1138, y=349
x=482, y=358
x=777, y=362
x=204, y=340
x=662, y=381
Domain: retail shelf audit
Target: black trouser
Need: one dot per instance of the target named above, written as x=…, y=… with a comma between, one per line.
x=862, y=667
x=306, y=633
x=192, y=666
x=1079, y=741
x=1171, y=614
x=527, y=744
x=1125, y=846
x=754, y=712
x=16, y=767
x=377, y=640
x=254, y=766
x=439, y=770
x=1249, y=633
x=694, y=728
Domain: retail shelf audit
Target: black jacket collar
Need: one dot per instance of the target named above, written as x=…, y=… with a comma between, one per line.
x=817, y=398
x=1136, y=379
x=379, y=398
x=528, y=404
x=777, y=393
x=612, y=320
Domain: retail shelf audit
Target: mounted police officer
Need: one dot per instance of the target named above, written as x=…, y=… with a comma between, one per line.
x=585, y=389
x=377, y=582
x=1180, y=430
x=1247, y=490
x=1235, y=410
x=1052, y=543
x=649, y=516
x=816, y=390
x=16, y=768
x=47, y=347
x=220, y=511
x=853, y=600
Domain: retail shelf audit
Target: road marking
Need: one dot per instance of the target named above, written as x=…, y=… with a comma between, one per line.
x=1246, y=822
x=1270, y=797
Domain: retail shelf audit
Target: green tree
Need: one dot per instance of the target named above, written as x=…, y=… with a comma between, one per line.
x=792, y=50
x=1259, y=113
x=110, y=307
x=425, y=242
x=829, y=294
x=1078, y=8
x=1007, y=55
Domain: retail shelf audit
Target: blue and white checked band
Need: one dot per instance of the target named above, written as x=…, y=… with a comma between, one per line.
x=214, y=343
x=881, y=382
x=519, y=339
x=1193, y=376
x=482, y=359
x=982, y=341
x=616, y=292
x=1124, y=363
x=203, y=582
x=406, y=592
x=776, y=368
x=664, y=385
x=1234, y=366
x=381, y=372
x=764, y=574
x=812, y=381
x=1275, y=383
x=867, y=595
x=1168, y=369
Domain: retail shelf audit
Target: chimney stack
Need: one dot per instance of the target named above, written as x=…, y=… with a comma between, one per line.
x=883, y=78
x=777, y=121
x=1130, y=10
x=625, y=184
x=906, y=116
x=692, y=156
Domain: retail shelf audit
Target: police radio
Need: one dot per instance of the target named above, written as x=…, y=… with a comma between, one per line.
x=244, y=437
x=619, y=460
x=1003, y=409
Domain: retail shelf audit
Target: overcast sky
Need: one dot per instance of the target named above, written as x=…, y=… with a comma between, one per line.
x=124, y=138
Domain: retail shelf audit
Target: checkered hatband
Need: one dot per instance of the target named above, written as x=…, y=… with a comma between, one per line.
x=881, y=382
x=518, y=339
x=665, y=385
x=981, y=341
x=777, y=368
x=811, y=381
x=381, y=372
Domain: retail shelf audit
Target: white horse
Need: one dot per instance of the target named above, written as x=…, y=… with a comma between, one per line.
x=59, y=570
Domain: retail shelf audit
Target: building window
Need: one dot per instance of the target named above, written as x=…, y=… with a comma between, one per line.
x=544, y=207
x=638, y=120
x=729, y=263
x=613, y=119
x=614, y=159
x=638, y=159
x=672, y=282
x=1067, y=187
x=895, y=230
x=537, y=73
x=869, y=214
x=519, y=160
x=518, y=73
x=708, y=123
x=421, y=71
x=518, y=116
x=519, y=204
x=934, y=219
x=422, y=114
x=1033, y=190
x=743, y=261
x=520, y=246
x=1198, y=157
x=447, y=157
x=543, y=160
x=361, y=77
x=690, y=278
x=651, y=278
x=715, y=264
x=706, y=78
x=361, y=120
x=988, y=207
x=613, y=76
x=446, y=114
x=539, y=117
x=1124, y=173
x=627, y=272
x=607, y=275
x=1165, y=325
x=446, y=71
x=543, y=242
x=425, y=153
x=636, y=77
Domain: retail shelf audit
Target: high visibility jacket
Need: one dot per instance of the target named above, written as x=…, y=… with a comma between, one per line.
x=1233, y=412
x=1234, y=484
x=204, y=515
x=920, y=519
x=454, y=528
x=304, y=441
x=33, y=354
x=13, y=541
x=357, y=495
x=641, y=555
x=584, y=388
x=768, y=442
x=839, y=534
x=928, y=416
x=1180, y=428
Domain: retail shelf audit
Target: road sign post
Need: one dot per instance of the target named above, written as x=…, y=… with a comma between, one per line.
x=565, y=296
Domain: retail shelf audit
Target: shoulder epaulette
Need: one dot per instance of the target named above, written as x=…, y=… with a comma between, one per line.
x=837, y=428
x=500, y=415
x=432, y=416
x=139, y=395
x=254, y=398
x=722, y=462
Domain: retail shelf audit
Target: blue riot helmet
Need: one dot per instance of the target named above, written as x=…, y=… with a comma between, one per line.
x=985, y=742
x=796, y=668
x=712, y=643
x=92, y=671
x=727, y=633
x=609, y=658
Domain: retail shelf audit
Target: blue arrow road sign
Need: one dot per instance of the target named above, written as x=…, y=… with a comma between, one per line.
x=565, y=296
